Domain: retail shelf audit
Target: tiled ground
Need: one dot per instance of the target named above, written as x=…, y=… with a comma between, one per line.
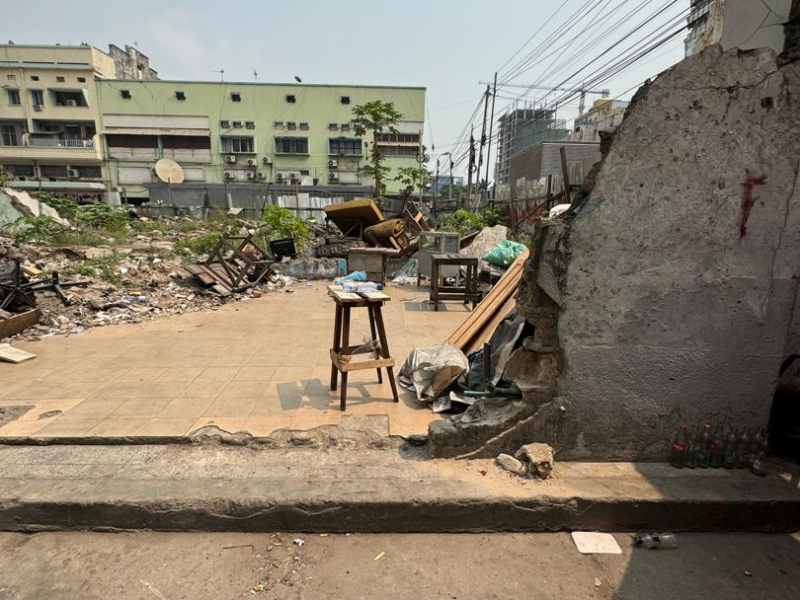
x=256, y=366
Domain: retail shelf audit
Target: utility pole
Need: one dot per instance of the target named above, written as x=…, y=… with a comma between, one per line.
x=450, y=189
x=491, y=127
x=483, y=143
x=471, y=167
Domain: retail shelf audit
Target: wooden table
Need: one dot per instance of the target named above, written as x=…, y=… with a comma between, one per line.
x=342, y=352
x=465, y=293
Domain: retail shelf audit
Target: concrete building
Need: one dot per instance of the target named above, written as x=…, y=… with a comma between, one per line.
x=522, y=128
x=49, y=114
x=604, y=115
x=744, y=24
x=225, y=134
x=531, y=168
x=444, y=181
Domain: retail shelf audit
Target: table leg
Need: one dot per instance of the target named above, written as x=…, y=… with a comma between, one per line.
x=435, y=284
x=337, y=336
x=384, y=346
x=374, y=337
x=345, y=344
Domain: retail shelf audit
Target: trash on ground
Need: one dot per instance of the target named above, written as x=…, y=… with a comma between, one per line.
x=14, y=355
x=298, y=542
x=655, y=541
x=592, y=542
x=380, y=556
x=429, y=372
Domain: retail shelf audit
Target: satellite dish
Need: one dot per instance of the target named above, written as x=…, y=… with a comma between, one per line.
x=169, y=171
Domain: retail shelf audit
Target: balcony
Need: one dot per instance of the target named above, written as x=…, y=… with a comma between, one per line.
x=44, y=142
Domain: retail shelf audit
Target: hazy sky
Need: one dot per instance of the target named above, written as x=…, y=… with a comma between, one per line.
x=447, y=46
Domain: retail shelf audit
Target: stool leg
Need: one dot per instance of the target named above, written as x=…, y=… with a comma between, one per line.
x=345, y=344
x=385, y=347
x=374, y=337
x=337, y=335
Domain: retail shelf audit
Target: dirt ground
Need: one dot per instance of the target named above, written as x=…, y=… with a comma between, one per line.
x=166, y=566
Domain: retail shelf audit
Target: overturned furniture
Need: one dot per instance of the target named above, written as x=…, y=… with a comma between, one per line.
x=17, y=291
x=235, y=265
x=342, y=352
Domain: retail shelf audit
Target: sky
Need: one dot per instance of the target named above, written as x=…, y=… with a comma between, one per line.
x=447, y=46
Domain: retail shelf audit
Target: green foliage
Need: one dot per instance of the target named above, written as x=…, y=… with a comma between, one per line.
x=466, y=221
x=36, y=229
x=413, y=179
x=3, y=179
x=277, y=223
x=102, y=216
x=376, y=117
x=102, y=267
x=66, y=208
x=202, y=244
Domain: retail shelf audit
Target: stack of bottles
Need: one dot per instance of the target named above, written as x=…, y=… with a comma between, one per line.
x=733, y=449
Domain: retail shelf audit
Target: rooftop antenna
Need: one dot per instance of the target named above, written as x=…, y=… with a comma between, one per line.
x=221, y=73
x=255, y=75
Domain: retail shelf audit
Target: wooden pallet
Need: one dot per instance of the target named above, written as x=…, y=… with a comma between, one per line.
x=483, y=320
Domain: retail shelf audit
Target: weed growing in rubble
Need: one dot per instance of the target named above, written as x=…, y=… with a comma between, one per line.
x=102, y=267
x=36, y=229
x=277, y=223
x=466, y=221
x=203, y=244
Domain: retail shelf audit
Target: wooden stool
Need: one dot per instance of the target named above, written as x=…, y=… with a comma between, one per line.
x=466, y=293
x=342, y=352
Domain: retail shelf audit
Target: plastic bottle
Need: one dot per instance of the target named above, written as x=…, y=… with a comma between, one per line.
x=704, y=447
x=717, y=449
x=677, y=452
x=760, y=448
x=655, y=541
x=743, y=455
x=690, y=462
x=731, y=450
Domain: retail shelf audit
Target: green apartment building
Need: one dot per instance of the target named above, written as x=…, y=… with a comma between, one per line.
x=288, y=138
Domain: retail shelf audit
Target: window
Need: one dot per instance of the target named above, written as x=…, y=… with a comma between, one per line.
x=180, y=95
x=126, y=94
x=53, y=171
x=34, y=78
x=303, y=126
x=250, y=124
x=345, y=99
x=81, y=79
x=304, y=173
x=13, y=98
x=225, y=124
x=278, y=124
x=333, y=127
x=237, y=124
x=240, y=145
x=236, y=96
x=346, y=146
x=9, y=135
x=65, y=98
x=291, y=125
x=89, y=172
x=345, y=126
x=60, y=79
x=398, y=144
x=16, y=171
x=404, y=138
x=37, y=97
x=291, y=98
x=291, y=145
x=399, y=150
x=11, y=77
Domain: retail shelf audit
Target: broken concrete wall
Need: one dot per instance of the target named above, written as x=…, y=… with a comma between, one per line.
x=675, y=282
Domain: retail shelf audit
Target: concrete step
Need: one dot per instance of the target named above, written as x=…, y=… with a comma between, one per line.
x=356, y=489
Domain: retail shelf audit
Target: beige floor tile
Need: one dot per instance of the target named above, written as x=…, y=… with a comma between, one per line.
x=230, y=407
x=180, y=373
x=164, y=389
x=166, y=427
x=243, y=389
x=308, y=417
x=95, y=408
x=270, y=359
x=255, y=374
x=115, y=427
x=67, y=427
x=218, y=374
x=229, y=424
x=284, y=389
x=145, y=408
x=405, y=421
x=126, y=390
x=292, y=373
x=203, y=389
x=186, y=407
x=264, y=426
x=44, y=407
x=23, y=428
x=141, y=374
x=265, y=407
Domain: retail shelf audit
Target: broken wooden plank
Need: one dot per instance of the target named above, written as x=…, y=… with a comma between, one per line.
x=14, y=355
x=17, y=323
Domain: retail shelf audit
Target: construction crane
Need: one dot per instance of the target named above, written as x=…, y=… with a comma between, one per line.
x=605, y=93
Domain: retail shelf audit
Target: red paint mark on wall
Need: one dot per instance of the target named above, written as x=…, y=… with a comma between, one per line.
x=748, y=199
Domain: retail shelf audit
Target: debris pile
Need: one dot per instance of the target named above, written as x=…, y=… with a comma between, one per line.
x=531, y=460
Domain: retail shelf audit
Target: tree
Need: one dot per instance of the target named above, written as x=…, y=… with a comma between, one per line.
x=413, y=178
x=376, y=117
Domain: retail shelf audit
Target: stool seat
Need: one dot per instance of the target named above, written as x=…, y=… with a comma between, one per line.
x=342, y=353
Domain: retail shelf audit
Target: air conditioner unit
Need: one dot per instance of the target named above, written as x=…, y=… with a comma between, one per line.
x=252, y=162
x=230, y=158
x=333, y=176
x=72, y=103
x=279, y=178
x=267, y=160
x=333, y=164
x=293, y=178
x=73, y=173
x=229, y=175
x=261, y=175
x=38, y=107
x=251, y=175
